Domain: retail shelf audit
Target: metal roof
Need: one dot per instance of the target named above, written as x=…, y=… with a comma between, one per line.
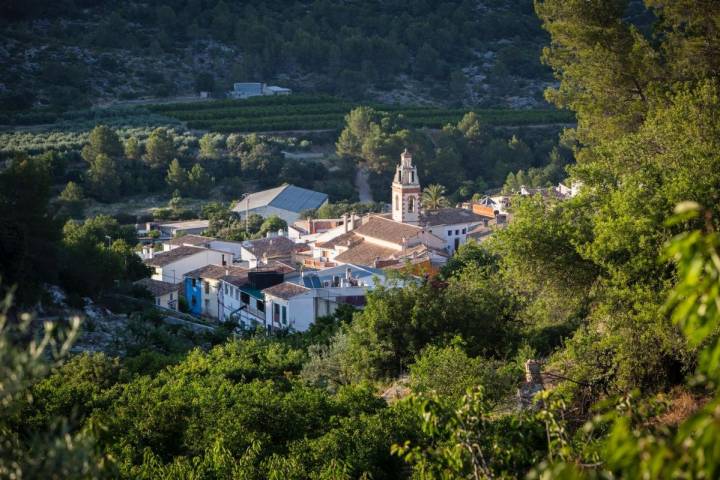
x=286, y=197
x=311, y=281
x=296, y=199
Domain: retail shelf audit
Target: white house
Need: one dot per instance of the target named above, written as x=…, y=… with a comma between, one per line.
x=289, y=306
x=173, y=229
x=451, y=224
x=202, y=288
x=171, y=266
x=165, y=294
x=285, y=201
x=241, y=297
x=571, y=191
x=297, y=304
x=227, y=246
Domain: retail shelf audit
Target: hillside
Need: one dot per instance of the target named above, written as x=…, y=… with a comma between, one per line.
x=72, y=54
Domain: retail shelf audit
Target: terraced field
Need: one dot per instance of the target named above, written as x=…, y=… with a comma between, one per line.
x=299, y=112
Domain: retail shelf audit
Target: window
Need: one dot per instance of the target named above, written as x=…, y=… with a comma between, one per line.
x=207, y=287
x=397, y=202
x=193, y=282
x=449, y=233
x=245, y=298
x=284, y=315
x=171, y=297
x=464, y=230
x=194, y=301
x=226, y=289
x=411, y=204
x=223, y=261
x=457, y=232
x=412, y=177
x=157, y=301
x=260, y=305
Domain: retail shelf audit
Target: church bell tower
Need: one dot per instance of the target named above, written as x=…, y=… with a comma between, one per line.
x=406, y=192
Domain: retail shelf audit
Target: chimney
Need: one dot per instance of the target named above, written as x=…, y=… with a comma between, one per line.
x=345, y=221
x=352, y=221
x=376, y=262
x=311, y=226
x=348, y=273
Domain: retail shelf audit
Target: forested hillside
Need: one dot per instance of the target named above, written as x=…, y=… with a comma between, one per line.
x=69, y=54
x=613, y=295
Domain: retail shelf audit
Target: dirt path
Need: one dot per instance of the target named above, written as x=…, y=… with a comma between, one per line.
x=362, y=185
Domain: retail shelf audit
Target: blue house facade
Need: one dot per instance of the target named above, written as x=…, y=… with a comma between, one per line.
x=193, y=294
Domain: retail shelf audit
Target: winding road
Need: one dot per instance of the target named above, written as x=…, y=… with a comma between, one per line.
x=363, y=186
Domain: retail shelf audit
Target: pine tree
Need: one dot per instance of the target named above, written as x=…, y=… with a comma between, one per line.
x=102, y=140
x=177, y=177
x=199, y=181
x=103, y=178
x=133, y=149
x=160, y=149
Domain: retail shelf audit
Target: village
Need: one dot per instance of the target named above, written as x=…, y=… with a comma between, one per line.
x=290, y=278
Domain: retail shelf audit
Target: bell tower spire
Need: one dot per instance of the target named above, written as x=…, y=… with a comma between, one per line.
x=406, y=191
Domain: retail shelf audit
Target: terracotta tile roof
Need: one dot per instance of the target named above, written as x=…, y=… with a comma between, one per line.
x=365, y=253
x=272, y=247
x=346, y=239
x=286, y=290
x=449, y=216
x=278, y=266
x=239, y=280
x=195, y=240
x=386, y=229
x=216, y=271
x=480, y=233
x=158, y=288
x=165, y=258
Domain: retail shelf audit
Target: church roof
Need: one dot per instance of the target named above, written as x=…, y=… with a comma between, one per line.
x=387, y=229
x=449, y=216
x=365, y=253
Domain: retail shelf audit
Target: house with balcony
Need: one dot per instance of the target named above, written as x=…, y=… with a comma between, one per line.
x=172, y=265
x=295, y=305
x=241, y=297
x=202, y=288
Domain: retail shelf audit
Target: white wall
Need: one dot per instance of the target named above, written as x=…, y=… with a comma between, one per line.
x=300, y=311
x=210, y=297
x=169, y=300
x=442, y=232
x=175, y=271
x=247, y=256
x=230, y=302
x=267, y=211
x=227, y=246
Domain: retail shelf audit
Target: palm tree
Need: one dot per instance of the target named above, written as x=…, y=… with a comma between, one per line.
x=433, y=197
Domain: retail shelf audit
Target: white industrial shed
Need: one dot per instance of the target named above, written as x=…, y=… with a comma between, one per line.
x=286, y=201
